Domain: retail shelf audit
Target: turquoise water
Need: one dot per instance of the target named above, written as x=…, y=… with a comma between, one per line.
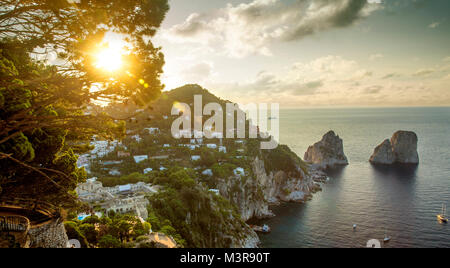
x=402, y=201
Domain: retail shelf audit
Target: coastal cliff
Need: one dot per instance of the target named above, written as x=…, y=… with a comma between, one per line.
x=269, y=185
x=401, y=148
x=328, y=152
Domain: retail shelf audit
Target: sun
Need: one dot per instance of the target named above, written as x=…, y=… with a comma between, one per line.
x=110, y=56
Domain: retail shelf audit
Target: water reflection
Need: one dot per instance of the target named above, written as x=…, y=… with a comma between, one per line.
x=399, y=171
x=336, y=172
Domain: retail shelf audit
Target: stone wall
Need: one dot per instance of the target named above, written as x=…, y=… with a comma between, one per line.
x=50, y=235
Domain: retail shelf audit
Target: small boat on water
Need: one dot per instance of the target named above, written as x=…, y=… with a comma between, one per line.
x=261, y=229
x=443, y=217
x=386, y=239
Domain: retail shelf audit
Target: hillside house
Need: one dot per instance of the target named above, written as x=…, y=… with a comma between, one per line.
x=208, y=173
x=239, y=172
x=153, y=130
x=140, y=158
x=123, y=154
x=211, y=146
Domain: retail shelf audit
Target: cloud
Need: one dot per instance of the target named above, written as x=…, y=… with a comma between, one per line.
x=198, y=72
x=373, y=89
x=434, y=25
x=308, y=88
x=249, y=28
x=391, y=75
x=337, y=81
x=186, y=72
x=319, y=78
x=376, y=57
x=424, y=72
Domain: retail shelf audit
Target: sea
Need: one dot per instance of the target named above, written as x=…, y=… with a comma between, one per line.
x=399, y=201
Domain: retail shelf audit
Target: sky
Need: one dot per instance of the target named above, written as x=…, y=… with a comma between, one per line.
x=311, y=53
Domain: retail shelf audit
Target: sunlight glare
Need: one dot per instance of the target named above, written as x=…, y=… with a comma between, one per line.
x=110, y=58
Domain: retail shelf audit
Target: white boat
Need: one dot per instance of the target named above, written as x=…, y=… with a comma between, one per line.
x=442, y=217
x=386, y=239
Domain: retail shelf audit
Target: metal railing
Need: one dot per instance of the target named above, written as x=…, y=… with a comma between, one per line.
x=14, y=224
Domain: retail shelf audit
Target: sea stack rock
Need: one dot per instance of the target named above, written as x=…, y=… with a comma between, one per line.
x=328, y=152
x=402, y=149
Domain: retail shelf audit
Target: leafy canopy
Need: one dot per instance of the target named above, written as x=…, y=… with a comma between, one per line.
x=44, y=104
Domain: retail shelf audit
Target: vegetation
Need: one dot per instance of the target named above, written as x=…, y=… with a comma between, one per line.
x=127, y=179
x=110, y=231
x=282, y=158
x=43, y=116
x=191, y=215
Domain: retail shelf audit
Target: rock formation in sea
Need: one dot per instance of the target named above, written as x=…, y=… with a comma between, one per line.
x=328, y=152
x=401, y=148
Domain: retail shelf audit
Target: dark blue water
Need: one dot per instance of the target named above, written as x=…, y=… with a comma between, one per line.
x=402, y=201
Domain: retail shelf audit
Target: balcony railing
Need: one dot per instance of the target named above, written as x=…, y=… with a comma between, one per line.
x=14, y=224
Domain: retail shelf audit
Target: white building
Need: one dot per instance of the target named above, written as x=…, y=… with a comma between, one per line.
x=212, y=146
x=140, y=158
x=91, y=185
x=93, y=191
x=137, y=205
x=137, y=138
x=83, y=161
x=153, y=130
x=195, y=157
x=215, y=191
x=239, y=172
x=103, y=148
x=115, y=172
x=184, y=134
x=208, y=172
x=223, y=149
x=192, y=147
x=148, y=170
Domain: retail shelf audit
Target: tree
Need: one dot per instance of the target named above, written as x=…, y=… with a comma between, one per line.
x=109, y=241
x=43, y=104
x=89, y=231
